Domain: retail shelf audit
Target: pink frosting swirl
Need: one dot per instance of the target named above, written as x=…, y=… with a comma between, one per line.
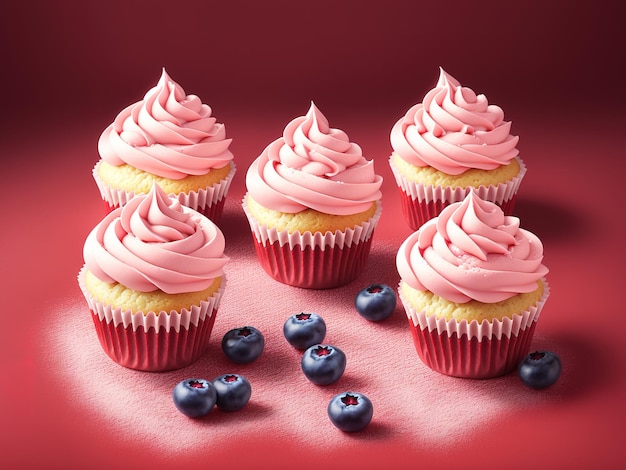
x=168, y=133
x=454, y=130
x=472, y=251
x=313, y=166
x=154, y=242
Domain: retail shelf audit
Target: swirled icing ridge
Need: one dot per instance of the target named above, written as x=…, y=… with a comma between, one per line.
x=154, y=242
x=472, y=251
x=168, y=133
x=313, y=166
x=454, y=130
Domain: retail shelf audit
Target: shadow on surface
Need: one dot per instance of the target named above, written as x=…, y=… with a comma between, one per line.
x=586, y=364
x=549, y=220
x=585, y=368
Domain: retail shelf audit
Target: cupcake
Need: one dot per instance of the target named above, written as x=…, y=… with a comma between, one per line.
x=473, y=286
x=453, y=142
x=170, y=138
x=153, y=279
x=313, y=202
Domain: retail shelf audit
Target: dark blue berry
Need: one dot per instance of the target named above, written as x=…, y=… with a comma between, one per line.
x=194, y=397
x=540, y=369
x=350, y=411
x=375, y=302
x=233, y=391
x=304, y=329
x=243, y=345
x=323, y=364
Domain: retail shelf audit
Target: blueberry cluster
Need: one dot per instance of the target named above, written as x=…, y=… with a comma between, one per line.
x=197, y=397
x=229, y=392
x=324, y=364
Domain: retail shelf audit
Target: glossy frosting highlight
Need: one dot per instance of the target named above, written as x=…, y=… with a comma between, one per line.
x=313, y=166
x=154, y=242
x=472, y=251
x=168, y=133
x=454, y=130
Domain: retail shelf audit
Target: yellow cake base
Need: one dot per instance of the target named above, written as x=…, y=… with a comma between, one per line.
x=432, y=304
x=119, y=296
x=131, y=179
x=308, y=220
x=475, y=178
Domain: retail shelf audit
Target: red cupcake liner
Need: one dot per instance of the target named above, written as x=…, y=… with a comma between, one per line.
x=152, y=350
x=153, y=341
x=417, y=213
x=471, y=358
x=313, y=268
x=313, y=260
x=470, y=349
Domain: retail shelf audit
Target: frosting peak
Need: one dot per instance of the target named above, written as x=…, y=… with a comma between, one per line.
x=454, y=130
x=157, y=218
x=313, y=166
x=312, y=146
x=168, y=133
x=154, y=242
x=472, y=251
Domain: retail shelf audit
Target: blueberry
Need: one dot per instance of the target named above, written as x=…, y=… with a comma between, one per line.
x=194, y=397
x=243, y=345
x=375, y=302
x=304, y=329
x=540, y=369
x=350, y=411
x=323, y=364
x=233, y=391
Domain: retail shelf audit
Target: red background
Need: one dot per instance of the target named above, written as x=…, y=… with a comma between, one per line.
x=556, y=69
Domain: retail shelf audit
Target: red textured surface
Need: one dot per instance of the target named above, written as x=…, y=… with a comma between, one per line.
x=70, y=66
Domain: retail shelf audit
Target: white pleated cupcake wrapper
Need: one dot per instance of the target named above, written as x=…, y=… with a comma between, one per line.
x=172, y=320
x=196, y=200
x=338, y=239
x=427, y=193
x=486, y=329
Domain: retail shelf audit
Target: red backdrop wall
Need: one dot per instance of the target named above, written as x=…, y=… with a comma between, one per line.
x=89, y=58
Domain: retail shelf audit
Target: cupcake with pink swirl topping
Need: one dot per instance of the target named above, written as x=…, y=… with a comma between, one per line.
x=170, y=138
x=153, y=279
x=313, y=202
x=450, y=143
x=473, y=286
